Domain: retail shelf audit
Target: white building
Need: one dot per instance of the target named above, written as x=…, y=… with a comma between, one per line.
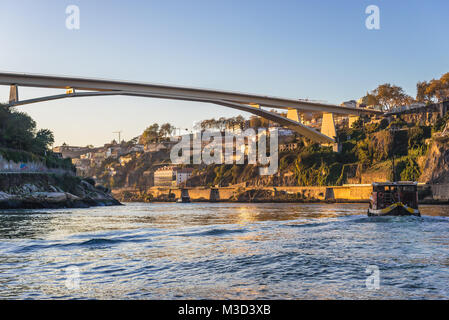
x=171, y=176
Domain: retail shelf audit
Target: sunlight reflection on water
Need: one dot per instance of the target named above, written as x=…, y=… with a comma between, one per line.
x=220, y=251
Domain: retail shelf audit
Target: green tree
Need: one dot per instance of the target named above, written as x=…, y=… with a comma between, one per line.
x=388, y=96
x=411, y=171
x=18, y=131
x=166, y=130
x=415, y=137
x=437, y=90
x=150, y=135
x=421, y=92
x=43, y=141
x=370, y=100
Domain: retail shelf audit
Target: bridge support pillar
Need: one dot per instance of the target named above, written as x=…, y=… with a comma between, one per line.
x=328, y=125
x=214, y=194
x=352, y=120
x=13, y=94
x=328, y=129
x=293, y=114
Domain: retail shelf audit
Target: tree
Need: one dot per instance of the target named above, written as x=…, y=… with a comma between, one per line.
x=166, y=130
x=416, y=137
x=222, y=123
x=421, y=92
x=255, y=122
x=240, y=121
x=387, y=96
x=18, y=131
x=150, y=135
x=411, y=171
x=370, y=100
x=43, y=141
x=390, y=96
x=438, y=90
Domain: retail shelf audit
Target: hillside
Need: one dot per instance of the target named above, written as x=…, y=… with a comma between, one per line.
x=367, y=149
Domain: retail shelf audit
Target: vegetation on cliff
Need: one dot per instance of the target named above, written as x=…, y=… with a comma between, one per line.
x=367, y=149
x=367, y=146
x=20, y=141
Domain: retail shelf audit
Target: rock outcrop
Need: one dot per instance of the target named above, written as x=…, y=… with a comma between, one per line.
x=34, y=191
x=436, y=165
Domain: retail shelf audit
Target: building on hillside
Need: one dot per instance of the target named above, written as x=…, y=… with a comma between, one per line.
x=155, y=147
x=160, y=146
x=349, y=104
x=125, y=159
x=82, y=166
x=235, y=128
x=98, y=157
x=58, y=155
x=284, y=132
x=70, y=151
x=288, y=146
x=138, y=148
x=171, y=176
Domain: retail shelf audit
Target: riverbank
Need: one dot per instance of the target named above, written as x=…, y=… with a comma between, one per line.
x=351, y=193
x=48, y=190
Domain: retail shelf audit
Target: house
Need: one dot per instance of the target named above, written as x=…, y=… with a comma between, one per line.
x=349, y=104
x=170, y=176
x=288, y=147
x=70, y=151
x=138, y=148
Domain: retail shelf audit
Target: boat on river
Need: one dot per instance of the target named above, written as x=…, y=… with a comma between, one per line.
x=394, y=199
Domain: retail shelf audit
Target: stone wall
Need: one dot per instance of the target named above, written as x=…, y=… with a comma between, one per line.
x=25, y=167
x=337, y=193
x=346, y=193
x=440, y=192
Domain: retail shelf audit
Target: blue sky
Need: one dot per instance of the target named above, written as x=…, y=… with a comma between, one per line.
x=298, y=49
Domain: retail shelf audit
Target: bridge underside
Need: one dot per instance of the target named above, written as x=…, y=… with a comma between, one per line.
x=240, y=101
x=286, y=122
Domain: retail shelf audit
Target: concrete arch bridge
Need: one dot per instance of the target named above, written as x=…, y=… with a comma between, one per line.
x=241, y=101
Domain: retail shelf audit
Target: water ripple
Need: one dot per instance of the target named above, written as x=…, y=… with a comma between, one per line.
x=216, y=251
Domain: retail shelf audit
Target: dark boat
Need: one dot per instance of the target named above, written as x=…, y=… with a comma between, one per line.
x=394, y=199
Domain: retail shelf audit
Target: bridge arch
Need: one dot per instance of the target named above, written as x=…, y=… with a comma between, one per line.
x=240, y=101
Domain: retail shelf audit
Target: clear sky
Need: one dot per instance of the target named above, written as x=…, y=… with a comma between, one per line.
x=298, y=49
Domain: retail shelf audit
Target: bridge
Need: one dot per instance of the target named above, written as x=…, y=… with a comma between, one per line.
x=87, y=87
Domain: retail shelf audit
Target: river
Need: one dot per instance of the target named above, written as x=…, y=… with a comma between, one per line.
x=223, y=251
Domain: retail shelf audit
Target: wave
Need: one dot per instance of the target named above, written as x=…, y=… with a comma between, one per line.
x=213, y=232
x=306, y=225
x=89, y=243
x=98, y=241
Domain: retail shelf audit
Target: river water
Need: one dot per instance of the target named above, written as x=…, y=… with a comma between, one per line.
x=223, y=251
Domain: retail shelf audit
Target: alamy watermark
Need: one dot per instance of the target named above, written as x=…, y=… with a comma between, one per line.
x=212, y=147
x=72, y=21
x=372, y=22
x=72, y=281
x=373, y=280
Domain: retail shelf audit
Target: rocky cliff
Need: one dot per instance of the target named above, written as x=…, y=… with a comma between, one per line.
x=436, y=165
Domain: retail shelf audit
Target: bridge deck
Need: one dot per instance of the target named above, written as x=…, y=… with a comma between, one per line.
x=63, y=82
